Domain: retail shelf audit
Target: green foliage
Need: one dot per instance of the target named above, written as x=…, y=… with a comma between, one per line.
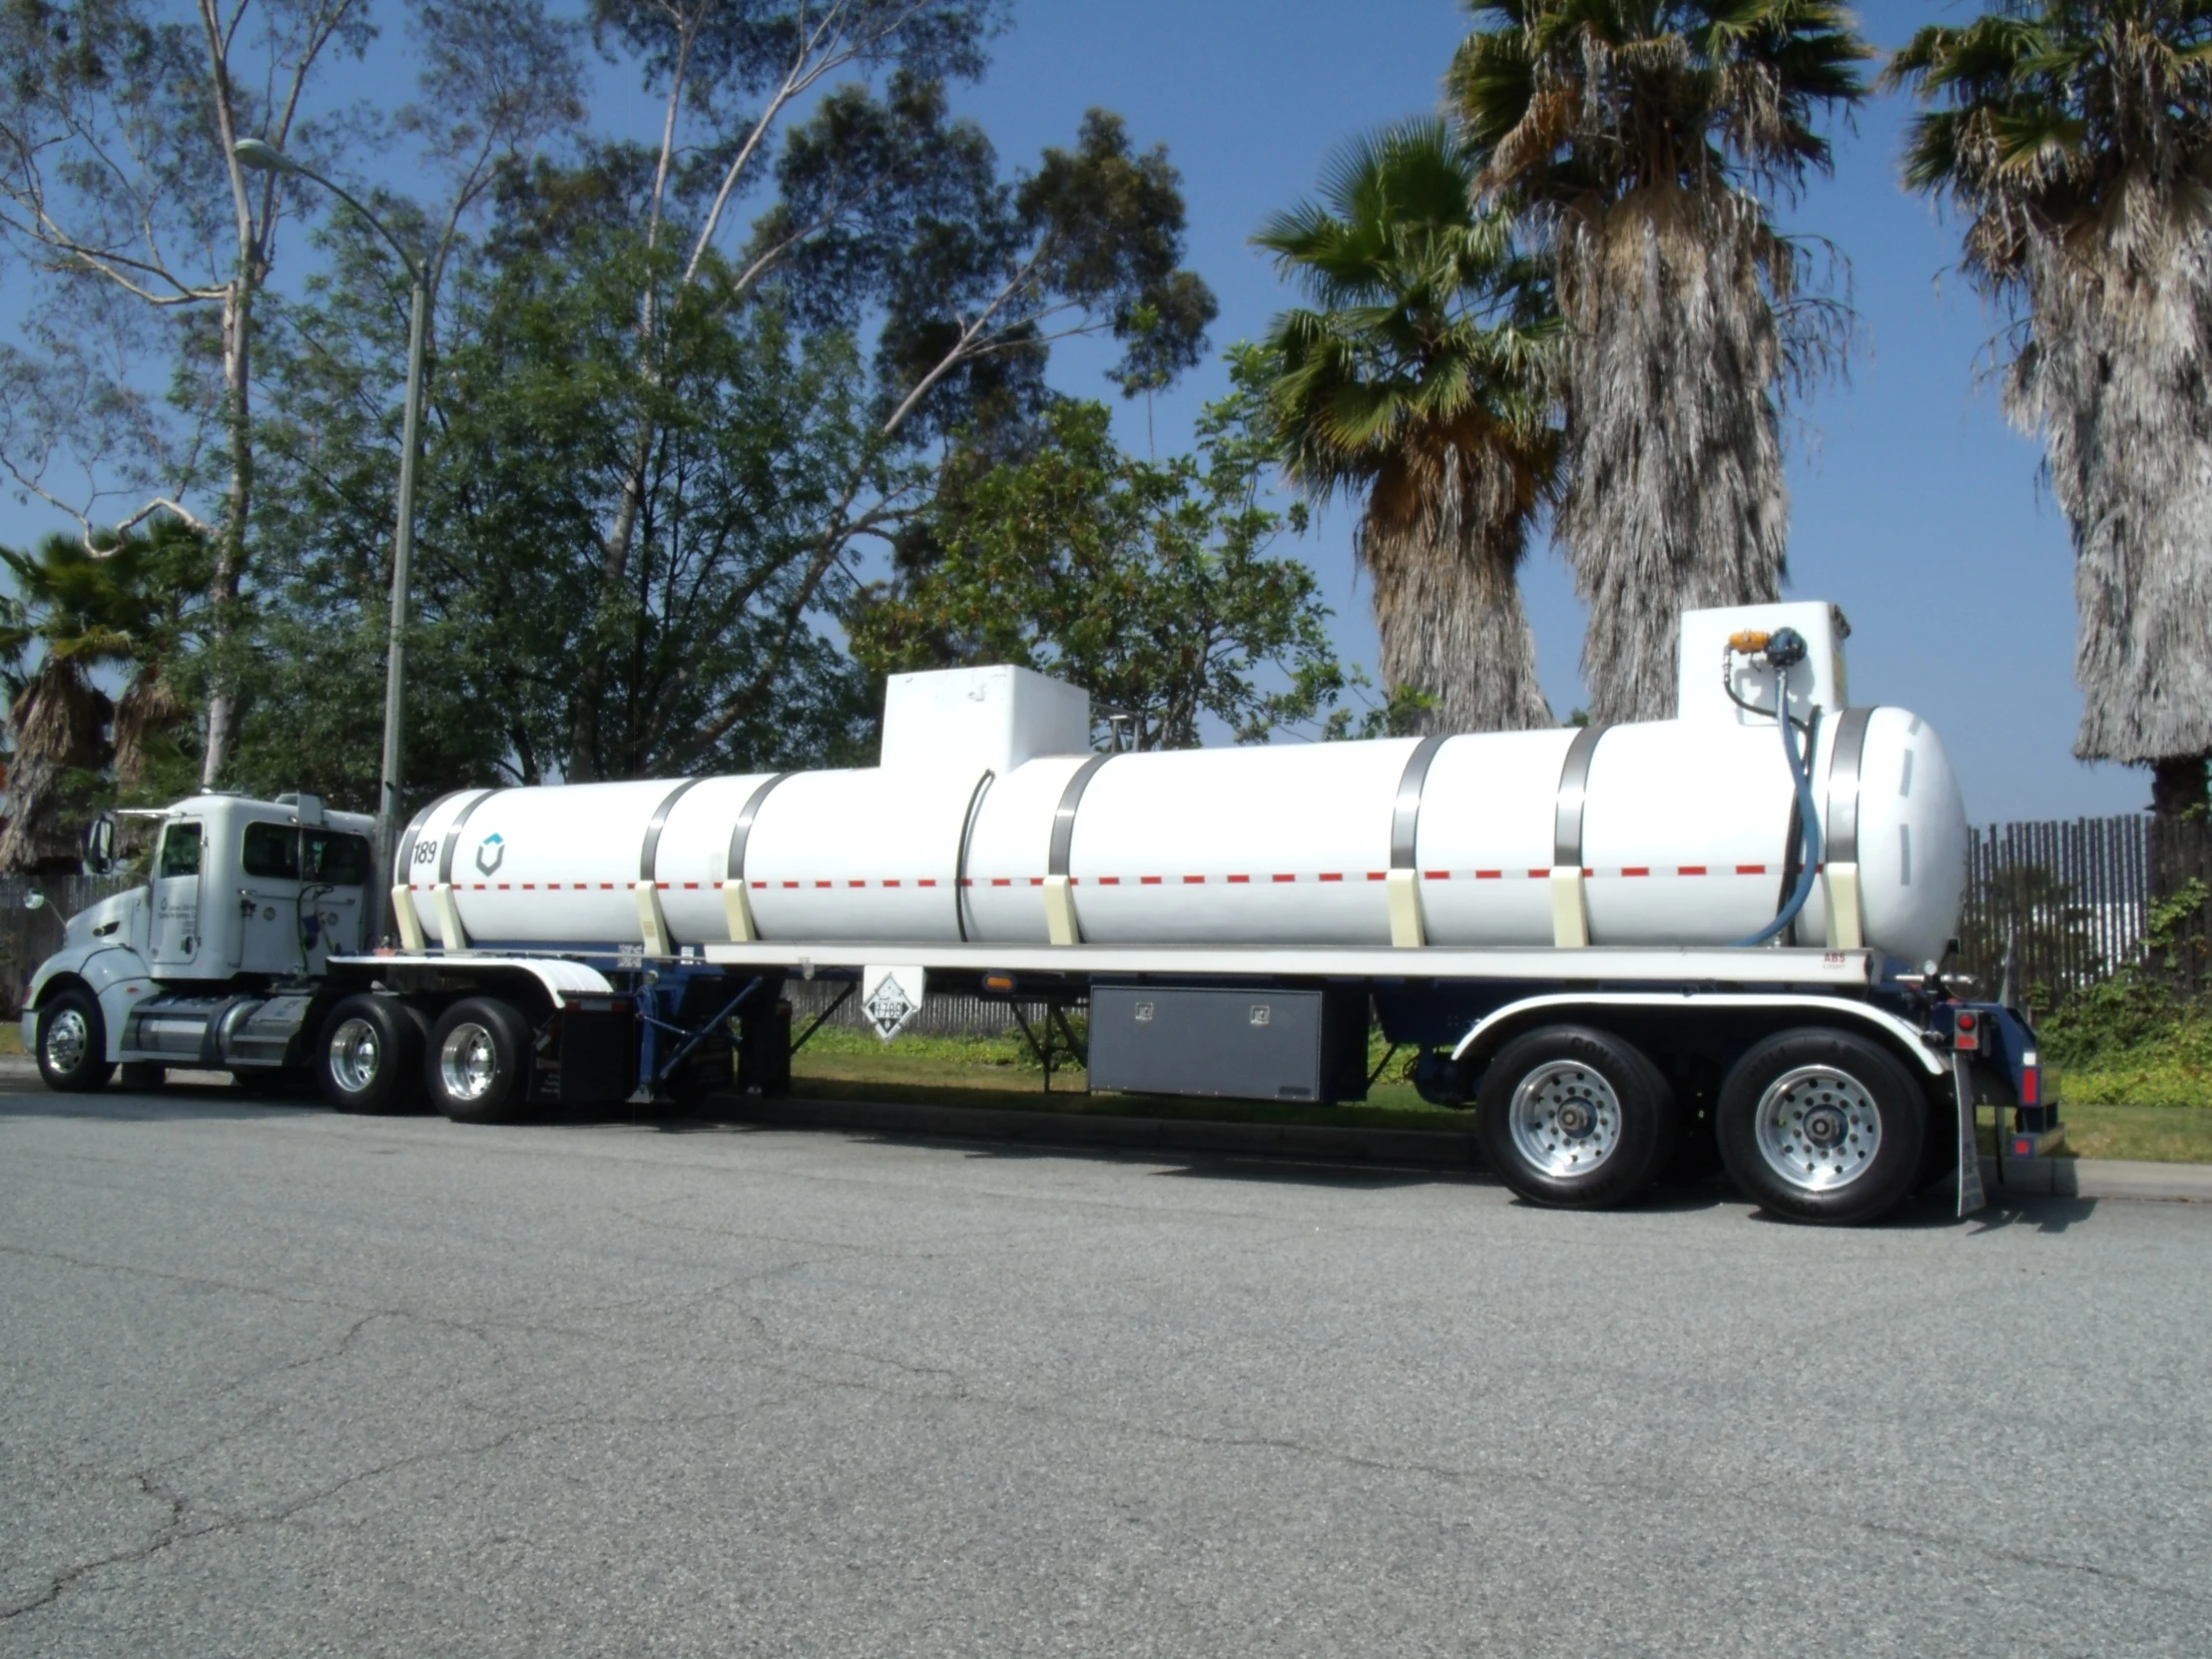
x=1611, y=96
x=2136, y=1039
x=1151, y=584
x=2054, y=114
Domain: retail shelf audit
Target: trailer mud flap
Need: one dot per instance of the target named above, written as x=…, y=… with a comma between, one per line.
x=1971, y=1199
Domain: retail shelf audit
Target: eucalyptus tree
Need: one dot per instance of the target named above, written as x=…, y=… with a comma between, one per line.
x=1649, y=138
x=117, y=180
x=876, y=205
x=2075, y=137
x=1419, y=382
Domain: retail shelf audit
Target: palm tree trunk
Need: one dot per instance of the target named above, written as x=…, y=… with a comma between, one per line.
x=1675, y=497
x=2114, y=381
x=57, y=721
x=1452, y=625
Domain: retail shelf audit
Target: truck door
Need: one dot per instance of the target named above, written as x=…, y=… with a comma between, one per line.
x=272, y=920
x=175, y=935
x=335, y=872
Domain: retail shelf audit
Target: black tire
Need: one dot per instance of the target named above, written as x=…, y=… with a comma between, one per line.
x=475, y=1065
x=1823, y=1126
x=143, y=1076
x=1576, y=1118
x=73, y=1043
x=369, y=1057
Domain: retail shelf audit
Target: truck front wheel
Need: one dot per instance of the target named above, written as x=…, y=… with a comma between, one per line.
x=371, y=1056
x=1822, y=1125
x=73, y=1043
x=1574, y=1117
x=478, y=1051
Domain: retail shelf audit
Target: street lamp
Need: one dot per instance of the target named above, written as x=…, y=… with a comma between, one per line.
x=268, y=158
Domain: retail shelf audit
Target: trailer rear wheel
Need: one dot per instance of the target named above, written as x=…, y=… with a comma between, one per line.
x=479, y=1050
x=1822, y=1125
x=1574, y=1117
x=369, y=1058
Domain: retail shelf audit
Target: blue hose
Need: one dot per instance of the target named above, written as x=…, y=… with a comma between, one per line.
x=1807, y=818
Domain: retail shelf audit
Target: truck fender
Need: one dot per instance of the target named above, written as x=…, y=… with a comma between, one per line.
x=117, y=976
x=559, y=977
x=1500, y=1023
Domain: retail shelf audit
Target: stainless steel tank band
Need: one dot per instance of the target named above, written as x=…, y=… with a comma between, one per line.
x=1406, y=816
x=1850, y=755
x=1574, y=790
x=1063, y=818
x=405, y=859
x=959, y=862
x=453, y=836
x=733, y=862
x=650, y=852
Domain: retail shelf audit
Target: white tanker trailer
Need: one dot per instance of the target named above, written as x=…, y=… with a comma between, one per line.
x=1618, y=944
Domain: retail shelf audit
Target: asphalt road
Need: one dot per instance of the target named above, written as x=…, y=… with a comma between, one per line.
x=275, y=1382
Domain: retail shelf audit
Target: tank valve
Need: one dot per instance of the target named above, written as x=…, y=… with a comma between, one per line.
x=1783, y=648
x=1786, y=647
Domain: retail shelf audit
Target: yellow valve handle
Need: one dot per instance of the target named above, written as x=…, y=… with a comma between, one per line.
x=1748, y=641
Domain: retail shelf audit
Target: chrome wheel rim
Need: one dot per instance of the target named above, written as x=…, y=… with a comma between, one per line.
x=357, y=1054
x=68, y=1040
x=1565, y=1119
x=1819, y=1128
x=467, y=1062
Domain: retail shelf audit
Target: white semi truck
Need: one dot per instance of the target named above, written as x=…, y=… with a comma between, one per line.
x=1620, y=946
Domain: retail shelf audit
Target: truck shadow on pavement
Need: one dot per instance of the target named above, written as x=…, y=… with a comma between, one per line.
x=210, y=1099
x=176, y=1103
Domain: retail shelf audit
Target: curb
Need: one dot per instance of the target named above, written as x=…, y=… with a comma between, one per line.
x=2103, y=1177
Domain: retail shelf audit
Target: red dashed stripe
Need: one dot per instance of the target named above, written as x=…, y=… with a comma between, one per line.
x=1237, y=880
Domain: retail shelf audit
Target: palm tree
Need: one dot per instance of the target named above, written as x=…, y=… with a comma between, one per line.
x=80, y=611
x=2075, y=136
x=1422, y=382
x=1647, y=137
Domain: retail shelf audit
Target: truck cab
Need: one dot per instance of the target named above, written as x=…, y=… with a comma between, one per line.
x=241, y=898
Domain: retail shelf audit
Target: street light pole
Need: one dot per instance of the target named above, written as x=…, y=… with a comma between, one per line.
x=395, y=647
x=253, y=152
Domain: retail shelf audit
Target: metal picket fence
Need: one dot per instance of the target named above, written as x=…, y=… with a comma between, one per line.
x=2075, y=902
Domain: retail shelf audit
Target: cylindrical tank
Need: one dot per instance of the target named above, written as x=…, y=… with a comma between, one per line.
x=1684, y=832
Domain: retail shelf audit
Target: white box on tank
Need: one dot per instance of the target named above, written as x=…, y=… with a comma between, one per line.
x=1819, y=678
x=994, y=718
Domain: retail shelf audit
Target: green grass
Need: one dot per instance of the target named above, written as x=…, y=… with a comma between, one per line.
x=2154, y=1134
x=1000, y=1073
x=11, y=1037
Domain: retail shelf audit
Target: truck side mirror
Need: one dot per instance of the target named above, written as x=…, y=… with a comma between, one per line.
x=99, y=845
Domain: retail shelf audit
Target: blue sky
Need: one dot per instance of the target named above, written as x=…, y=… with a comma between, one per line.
x=1916, y=507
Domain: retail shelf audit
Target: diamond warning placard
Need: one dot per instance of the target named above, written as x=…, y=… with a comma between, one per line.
x=890, y=997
